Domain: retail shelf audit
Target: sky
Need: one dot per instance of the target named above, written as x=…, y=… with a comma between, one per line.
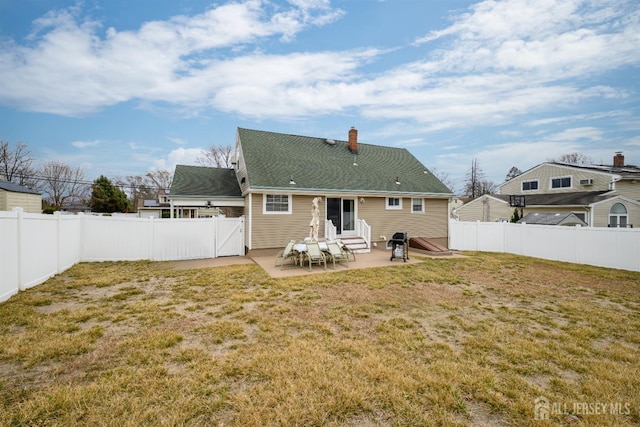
x=124, y=87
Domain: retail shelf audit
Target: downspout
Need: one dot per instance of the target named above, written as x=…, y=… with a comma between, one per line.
x=249, y=224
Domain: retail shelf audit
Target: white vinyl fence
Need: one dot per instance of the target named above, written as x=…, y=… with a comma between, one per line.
x=35, y=247
x=603, y=247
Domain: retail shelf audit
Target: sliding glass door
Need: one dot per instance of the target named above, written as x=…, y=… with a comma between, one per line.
x=342, y=212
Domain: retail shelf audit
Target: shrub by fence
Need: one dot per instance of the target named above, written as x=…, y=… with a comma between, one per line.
x=604, y=247
x=34, y=247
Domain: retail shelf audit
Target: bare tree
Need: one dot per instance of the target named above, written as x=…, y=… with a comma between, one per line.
x=135, y=187
x=574, y=159
x=445, y=179
x=147, y=186
x=219, y=157
x=476, y=184
x=17, y=165
x=159, y=179
x=63, y=184
x=144, y=187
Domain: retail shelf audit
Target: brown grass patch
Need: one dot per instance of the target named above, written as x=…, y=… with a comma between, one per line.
x=465, y=341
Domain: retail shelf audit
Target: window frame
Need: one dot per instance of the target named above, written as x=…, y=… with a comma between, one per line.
x=265, y=211
x=618, y=216
x=397, y=207
x=537, y=182
x=422, y=209
x=561, y=178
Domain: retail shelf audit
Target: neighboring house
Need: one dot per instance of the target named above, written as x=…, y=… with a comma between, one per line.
x=13, y=195
x=158, y=208
x=367, y=191
x=600, y=195
x=547, y=218
x=201, y=192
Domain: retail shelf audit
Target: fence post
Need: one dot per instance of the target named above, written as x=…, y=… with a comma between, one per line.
x=152, y=226
x=82, y=232
x=215, y=226
x=19, y=243
x=57, y=217
x=578, y=244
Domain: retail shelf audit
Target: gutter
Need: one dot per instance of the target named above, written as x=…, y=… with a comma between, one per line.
x=336, y=191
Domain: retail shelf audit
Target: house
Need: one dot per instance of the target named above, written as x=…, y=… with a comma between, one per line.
x=201, y=192
x=600, y=195
x=154, y=208
x=366, y=192
x=13, y=195
x=549, y=218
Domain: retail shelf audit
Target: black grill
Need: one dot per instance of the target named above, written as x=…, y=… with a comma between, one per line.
x=399, y=246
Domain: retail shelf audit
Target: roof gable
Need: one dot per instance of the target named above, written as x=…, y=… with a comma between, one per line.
x=616, y=197
x=203, y=181
x=272, y=160
x=552, y=218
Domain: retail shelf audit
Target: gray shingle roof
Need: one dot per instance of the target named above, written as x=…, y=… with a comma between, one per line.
x=206, y=182
x=627, y=171
x=552, y=218
x=272, y=159
x=581, y=198
x=11, y=186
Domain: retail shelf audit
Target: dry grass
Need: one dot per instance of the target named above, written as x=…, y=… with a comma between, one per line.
x=466, y=341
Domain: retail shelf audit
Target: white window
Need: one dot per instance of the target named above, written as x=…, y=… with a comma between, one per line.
x=618, y=215
x=276, y=204
x=561, y=182
x=394, y=203
x=417, y=205
x=529, y=185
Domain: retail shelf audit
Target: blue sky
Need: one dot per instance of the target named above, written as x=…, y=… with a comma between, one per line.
x=122, y=87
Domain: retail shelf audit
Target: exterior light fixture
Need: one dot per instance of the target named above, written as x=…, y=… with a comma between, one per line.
x=291, y=181
x=397, y=180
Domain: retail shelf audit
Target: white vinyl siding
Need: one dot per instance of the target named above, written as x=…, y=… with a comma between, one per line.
x=544, y=173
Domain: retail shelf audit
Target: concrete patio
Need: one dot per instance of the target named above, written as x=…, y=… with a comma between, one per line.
x=267, y=260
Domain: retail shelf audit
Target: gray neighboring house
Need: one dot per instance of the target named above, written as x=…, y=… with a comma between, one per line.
x=600, y=195
x=13, y=195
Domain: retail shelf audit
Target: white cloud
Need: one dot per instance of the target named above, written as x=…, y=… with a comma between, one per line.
x=577, y=134
x=177, y=141
x=179, y=156
x=85, y=144
x=494, y=64
x=162, y=57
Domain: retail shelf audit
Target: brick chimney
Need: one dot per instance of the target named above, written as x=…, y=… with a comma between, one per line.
x=618, y=159
x=353, y=140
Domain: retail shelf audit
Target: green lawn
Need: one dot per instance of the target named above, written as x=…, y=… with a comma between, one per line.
x=451, y=341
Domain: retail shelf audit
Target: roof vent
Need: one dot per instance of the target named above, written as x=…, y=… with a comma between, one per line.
x=330, y=141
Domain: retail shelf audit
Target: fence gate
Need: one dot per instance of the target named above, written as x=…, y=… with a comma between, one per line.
x=229, y=236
